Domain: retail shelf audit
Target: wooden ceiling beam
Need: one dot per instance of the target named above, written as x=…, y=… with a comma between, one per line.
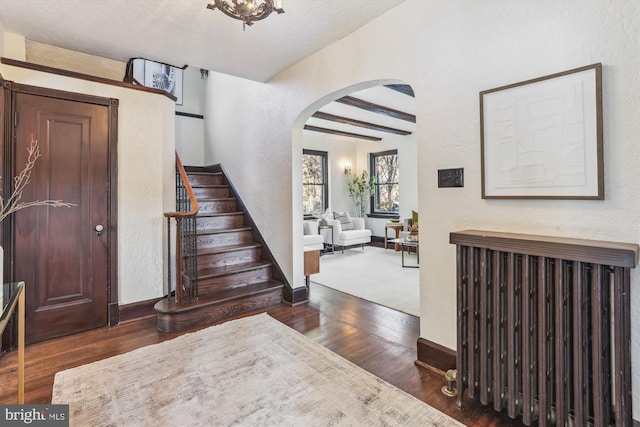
x=341, y=133
x=375, y=108
x=354, y=122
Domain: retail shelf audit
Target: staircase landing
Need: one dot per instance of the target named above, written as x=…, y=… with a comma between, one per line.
x=214, y=308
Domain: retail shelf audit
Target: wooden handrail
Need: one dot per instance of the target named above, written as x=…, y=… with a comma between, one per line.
x=192, y=197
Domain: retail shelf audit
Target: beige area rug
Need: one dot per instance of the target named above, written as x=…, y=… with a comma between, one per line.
x=253, y=371
x=374, y=274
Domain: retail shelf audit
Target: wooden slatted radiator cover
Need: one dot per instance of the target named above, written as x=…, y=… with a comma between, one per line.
x=544, y=327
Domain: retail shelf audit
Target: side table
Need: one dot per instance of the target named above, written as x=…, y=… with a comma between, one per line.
x=406, y=246
x=327, y=245
x=398, y=228
x=12, y=299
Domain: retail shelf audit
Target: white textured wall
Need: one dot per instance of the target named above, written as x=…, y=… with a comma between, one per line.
x=146, y=165
x=13, y=46
x=52, y=56
x=448, y=51
x=190, y=130
x=2, y=35
x=247, y=141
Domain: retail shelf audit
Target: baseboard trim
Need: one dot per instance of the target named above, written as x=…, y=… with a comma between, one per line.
x=113, y=312
x=296, y=296
x=138, y=310
x=435, y=356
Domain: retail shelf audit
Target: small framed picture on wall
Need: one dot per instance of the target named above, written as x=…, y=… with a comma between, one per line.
x=156, y=75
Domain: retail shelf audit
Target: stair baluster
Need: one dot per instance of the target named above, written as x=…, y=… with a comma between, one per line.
x=186, y=275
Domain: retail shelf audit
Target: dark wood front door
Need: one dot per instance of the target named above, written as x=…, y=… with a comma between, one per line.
x=58, y=253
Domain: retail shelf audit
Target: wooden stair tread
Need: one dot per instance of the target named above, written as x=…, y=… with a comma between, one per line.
x=222, y=230
x=220, y=297
x=228, y=248
x=225, y=270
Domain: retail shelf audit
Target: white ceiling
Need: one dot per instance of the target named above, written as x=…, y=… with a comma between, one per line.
x=185, y=32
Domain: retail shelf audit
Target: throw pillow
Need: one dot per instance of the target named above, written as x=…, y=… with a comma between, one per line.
x=344, y=219
x=414, y=218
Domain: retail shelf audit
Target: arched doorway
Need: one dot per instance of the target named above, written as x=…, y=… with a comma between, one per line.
x=342, y=133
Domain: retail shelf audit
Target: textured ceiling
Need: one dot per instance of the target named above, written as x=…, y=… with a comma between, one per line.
x=185, y=32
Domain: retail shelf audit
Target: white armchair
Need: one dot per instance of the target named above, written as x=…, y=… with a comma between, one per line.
x=358, y=235
x=312, y=239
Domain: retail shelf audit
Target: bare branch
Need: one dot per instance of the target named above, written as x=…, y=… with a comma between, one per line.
x=20, y=182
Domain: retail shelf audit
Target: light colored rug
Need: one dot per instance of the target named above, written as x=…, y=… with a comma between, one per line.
x=374, y=274
x=253, y=371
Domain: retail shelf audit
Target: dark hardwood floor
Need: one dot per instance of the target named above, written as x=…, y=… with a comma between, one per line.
x=378, y=339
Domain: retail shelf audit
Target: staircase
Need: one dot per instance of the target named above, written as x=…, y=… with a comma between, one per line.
x=233, y=274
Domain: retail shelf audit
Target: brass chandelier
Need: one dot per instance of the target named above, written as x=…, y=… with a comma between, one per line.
x=247, y=10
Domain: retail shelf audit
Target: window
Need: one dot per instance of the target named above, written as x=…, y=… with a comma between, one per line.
x=315, y=189
x=386, y=197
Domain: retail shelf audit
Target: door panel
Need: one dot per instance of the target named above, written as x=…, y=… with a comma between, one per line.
x=62, y=260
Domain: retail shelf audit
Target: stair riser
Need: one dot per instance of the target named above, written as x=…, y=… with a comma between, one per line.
x=219, y=222
x=206, y=179
x=224, y=239
x=228, y=258
x=211, y=193
x=205, y=287
x=214, y=313
x=217, y=206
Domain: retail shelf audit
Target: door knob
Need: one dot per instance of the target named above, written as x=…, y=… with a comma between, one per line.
x=99, y=229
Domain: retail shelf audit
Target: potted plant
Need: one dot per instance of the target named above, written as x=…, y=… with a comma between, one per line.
x=360, y=189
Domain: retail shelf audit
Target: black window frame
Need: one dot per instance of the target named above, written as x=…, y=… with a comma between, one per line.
x=325, y=178
x=372, y=202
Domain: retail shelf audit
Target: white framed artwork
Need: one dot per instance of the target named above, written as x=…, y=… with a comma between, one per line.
x=542, y=138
